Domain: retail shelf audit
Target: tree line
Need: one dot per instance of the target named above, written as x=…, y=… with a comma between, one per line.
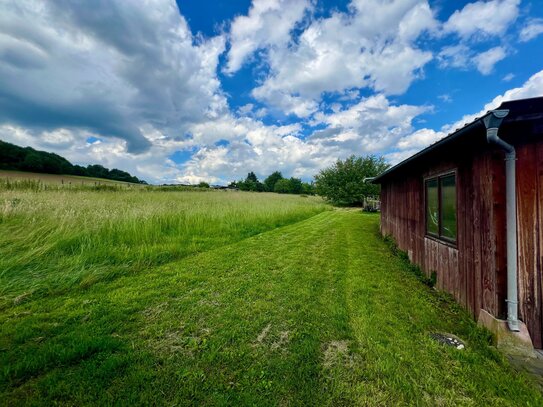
x=345, y=183
x=13, y=157
x=275, y=182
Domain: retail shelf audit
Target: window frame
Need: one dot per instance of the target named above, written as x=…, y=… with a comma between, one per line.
x=439, y=236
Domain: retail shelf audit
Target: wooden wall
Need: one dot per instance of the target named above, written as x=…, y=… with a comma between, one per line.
x=474, y=269
x=530, y=234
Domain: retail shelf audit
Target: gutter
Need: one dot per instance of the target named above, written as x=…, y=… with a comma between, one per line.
x=492, y=123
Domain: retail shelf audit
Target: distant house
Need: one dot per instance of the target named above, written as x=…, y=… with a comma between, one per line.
x=469, y=208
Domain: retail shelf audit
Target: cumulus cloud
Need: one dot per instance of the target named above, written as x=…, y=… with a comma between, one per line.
x=369, y=126
x=370, y=46
x=483, y=19
x=455, y=56
x=268, y=23
x=416, y=141
x=463, y=57
x=126, y=84
x=533, y=87
x=110, y=68
x=485, y=61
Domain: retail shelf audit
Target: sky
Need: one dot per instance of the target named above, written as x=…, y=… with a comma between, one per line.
x=208, y=90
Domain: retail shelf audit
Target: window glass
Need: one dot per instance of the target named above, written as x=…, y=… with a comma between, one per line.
x=432, y=207
x=448, y=207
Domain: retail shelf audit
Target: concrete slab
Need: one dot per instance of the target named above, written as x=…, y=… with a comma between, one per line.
x=511, y=343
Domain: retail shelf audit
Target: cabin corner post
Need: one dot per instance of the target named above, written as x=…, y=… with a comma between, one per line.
x=492, y=122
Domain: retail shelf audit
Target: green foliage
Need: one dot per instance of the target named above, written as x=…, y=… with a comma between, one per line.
x=272, y=179
x=283, y=186
x=203, y=185
x=343, y=183
x=13, y=157
x=274, y=183
x=251, y=183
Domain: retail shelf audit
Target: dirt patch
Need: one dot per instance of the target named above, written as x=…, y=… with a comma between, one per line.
x=335, y=352
x=180, y=341
x=262, y=335
x=154, y=312
x=281, y=341
x=275, y=341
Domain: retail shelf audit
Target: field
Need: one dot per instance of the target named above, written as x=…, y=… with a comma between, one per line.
x=54, y=179
x=224, y=298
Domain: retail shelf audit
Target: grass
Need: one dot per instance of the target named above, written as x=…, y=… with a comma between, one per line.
x=58, y=179
x=309, y=308
x=53, y=241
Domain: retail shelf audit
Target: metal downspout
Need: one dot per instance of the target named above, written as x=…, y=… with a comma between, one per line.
x=492, y=122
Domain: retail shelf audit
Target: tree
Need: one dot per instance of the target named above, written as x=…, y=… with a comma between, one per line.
x=32, y=162
x=203, y=185
x=272, y=180
x=251, y=177
x=283, y=186
x=343, y=183
x=296, y=186
x=251, y=183
x=308, y=188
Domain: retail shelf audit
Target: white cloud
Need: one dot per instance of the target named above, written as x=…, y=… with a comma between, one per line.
x=373, y=47
x=485, y=61
x=420, y=139
x=533, y=87
x=508, y=77
x=447, y=98
x=463, y=57
x=483, y=19
x=133, y=75
x=416, y=141
x=533, y=29
x=456, y=56
x=108, y=68
x=268, y=23
x=369, y=126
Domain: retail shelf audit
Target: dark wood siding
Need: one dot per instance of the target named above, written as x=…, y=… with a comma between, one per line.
x=530, y=235
x=474, y=269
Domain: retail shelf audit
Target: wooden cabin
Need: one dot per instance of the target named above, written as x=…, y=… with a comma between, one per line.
x=446, y=207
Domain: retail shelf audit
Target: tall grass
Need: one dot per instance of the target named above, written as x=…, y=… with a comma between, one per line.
x=56, y=239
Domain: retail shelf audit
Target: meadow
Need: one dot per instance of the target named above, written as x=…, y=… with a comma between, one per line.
x=20, y=177
x=60, y=239
x=149, y=297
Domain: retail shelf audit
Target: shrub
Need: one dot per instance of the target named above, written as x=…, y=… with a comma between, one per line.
x=343, y=183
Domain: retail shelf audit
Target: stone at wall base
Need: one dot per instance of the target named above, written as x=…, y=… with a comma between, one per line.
x=511, y=343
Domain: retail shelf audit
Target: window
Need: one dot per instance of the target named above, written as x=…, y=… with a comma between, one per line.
x=441, y=207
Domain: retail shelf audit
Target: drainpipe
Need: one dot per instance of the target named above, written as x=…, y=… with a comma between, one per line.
x=492, y=122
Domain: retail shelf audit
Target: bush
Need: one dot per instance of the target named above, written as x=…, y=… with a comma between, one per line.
x=343, y=183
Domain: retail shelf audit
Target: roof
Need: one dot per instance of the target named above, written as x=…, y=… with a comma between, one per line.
x=519, y=110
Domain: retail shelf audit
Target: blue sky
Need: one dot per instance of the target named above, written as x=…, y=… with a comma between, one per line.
x=209, y=90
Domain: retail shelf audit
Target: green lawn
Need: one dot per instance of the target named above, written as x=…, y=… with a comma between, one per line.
x=309, y=308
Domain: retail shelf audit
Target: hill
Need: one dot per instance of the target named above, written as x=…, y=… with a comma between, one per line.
x=13, y=157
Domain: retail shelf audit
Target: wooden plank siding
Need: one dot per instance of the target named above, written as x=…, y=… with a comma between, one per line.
x=530, y=250
x=473, y=270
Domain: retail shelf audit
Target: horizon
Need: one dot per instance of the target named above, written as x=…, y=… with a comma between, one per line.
x=208, y=91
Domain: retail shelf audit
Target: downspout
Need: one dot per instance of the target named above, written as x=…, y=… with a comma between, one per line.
x=492, y=123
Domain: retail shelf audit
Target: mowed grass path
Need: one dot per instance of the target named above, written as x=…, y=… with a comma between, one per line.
x=315, y=313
